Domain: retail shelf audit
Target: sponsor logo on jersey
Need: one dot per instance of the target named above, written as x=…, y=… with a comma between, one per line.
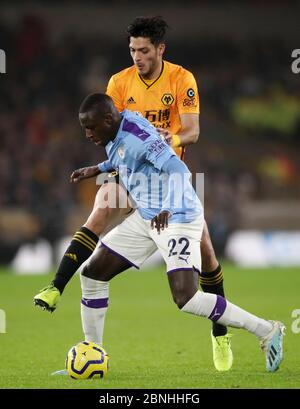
x=189, y=102
x=131, y=101
x=159, y=118
x=167, y=99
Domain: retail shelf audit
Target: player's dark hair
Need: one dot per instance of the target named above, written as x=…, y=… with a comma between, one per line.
x=153, y=28
x=100, y=102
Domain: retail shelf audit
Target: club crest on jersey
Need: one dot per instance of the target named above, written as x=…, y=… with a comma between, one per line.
x=167, y=99
x=190, y=93
x=121, y=152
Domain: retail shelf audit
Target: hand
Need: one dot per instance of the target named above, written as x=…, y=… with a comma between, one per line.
x=165, y=135
x=160, y=221
x=84, y=173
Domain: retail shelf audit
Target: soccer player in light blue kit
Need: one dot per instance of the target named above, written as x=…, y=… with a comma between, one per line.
x=169, y=217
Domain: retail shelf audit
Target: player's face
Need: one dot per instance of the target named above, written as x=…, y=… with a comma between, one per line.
x=146, y=56
x=97, y=129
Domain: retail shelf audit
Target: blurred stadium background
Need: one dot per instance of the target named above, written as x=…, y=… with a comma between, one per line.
x=57, y=52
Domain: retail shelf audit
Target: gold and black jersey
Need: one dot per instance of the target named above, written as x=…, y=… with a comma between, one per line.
x=162, y=100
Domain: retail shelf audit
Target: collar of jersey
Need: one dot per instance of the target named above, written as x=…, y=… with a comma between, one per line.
x=149, y=84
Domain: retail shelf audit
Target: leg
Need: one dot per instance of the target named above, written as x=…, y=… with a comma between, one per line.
x=214, y=307
x=106, y=212
x=211, y=277
x=211, y=281
x=125, y=246
x=180, y=247
x=209, y=260
x=183, y=285
x=111, y=207
x=95, y=277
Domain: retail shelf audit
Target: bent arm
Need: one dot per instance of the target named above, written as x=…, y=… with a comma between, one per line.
x=190, y=130
x=188, y=134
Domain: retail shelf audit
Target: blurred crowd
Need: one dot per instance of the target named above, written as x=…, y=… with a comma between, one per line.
x=250, y=122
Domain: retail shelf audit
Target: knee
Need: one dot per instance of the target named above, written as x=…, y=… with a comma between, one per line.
x=87, y=272
x=98, y=220
x=104, y=213
x=101, y=214
x=181, y=298
x=184, y=285
x=90, y=270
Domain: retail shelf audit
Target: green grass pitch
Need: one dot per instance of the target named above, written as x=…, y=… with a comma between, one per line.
x=151, y=344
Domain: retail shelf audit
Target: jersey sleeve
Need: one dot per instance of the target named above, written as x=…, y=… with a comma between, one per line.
x=149, y=148
x=187, y=94
x=105, y=166
x=173, y=166
x=157, y=152
x=115, y=93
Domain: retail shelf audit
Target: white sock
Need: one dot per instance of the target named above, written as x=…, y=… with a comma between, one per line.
x=94, y=305
x=218, y=309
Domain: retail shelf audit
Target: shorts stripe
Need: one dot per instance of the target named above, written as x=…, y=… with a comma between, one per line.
x=179, y=269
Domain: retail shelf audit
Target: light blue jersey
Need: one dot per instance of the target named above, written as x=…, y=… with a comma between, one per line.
x=139, y=154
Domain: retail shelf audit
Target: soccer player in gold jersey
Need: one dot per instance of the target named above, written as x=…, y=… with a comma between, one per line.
x=167, y=95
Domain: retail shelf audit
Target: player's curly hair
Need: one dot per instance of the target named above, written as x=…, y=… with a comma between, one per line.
x=153, y=28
